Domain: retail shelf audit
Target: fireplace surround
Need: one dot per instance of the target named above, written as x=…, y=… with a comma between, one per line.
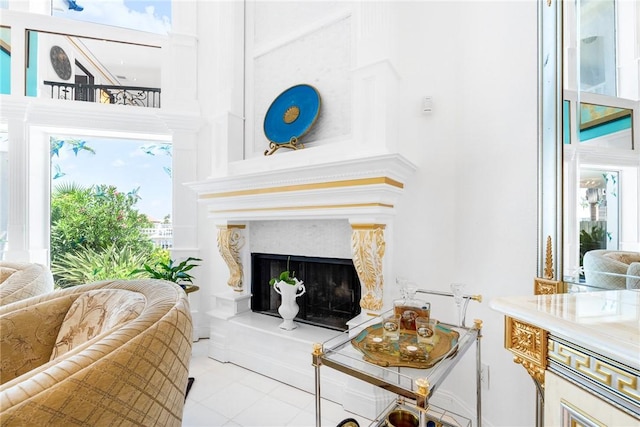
x=318, y=206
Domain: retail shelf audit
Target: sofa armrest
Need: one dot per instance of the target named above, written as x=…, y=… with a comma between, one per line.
x=633, y=276
x=27, y=280
x=28, y=336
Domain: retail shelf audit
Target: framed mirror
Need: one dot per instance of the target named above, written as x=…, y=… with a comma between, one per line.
x=597, y=240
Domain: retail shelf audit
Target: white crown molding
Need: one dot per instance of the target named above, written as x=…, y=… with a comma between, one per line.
x=119, y=120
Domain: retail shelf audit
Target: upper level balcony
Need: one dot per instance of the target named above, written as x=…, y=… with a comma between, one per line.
x=106, y=94
x=44, y=57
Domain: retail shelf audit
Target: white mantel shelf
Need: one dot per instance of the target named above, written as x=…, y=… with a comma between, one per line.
x=606, y=322
x=295, y=186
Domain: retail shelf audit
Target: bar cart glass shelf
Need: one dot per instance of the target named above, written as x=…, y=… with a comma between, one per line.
x=413, y=386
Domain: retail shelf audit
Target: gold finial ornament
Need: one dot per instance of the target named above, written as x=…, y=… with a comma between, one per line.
x=477, y=323
x=547, y=284
x=423, y=386
x=317, y=349
x=548, y=260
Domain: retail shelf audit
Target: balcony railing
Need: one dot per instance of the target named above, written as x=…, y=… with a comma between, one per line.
x=106, y=94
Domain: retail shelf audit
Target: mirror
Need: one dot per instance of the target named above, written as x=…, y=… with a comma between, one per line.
x=600, y=156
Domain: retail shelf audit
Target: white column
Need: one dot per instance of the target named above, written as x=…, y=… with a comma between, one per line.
x=222, y=77
x=17, y=246
x=375, y=79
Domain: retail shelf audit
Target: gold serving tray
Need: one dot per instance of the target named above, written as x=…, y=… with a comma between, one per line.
x=405, y=352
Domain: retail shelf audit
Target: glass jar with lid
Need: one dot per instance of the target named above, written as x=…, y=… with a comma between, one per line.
x=408, y=307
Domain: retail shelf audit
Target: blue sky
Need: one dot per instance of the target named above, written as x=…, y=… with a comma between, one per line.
x=144, y=15
x=121, y=163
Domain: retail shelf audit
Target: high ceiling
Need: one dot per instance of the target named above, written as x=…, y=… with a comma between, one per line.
x=131, y=65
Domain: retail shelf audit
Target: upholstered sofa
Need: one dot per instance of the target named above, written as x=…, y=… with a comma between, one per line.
x=19, y=280
x=101, y=354
x=606, y=269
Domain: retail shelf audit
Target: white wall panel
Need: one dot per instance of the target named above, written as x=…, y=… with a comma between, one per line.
x=321, y=58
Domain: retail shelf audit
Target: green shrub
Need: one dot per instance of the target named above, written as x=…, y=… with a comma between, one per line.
x=90, y=265
x=96, y=233
x=96, y=218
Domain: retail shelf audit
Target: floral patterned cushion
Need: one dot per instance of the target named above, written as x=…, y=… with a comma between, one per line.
x=28, y=336
x=94, y=313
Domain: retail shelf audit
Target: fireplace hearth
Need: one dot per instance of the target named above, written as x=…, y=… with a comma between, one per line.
x=332, y=288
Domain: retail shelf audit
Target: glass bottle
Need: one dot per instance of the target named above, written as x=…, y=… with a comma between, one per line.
x=408, y=307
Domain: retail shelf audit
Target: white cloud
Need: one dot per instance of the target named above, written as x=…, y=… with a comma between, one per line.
x=118, y=163
x=116, y=13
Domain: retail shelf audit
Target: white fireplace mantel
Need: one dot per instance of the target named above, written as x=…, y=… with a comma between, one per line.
x=363, y=189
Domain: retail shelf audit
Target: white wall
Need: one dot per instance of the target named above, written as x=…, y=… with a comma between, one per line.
x=469, y=215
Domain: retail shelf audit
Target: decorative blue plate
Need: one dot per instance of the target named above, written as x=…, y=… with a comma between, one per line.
x=292, y=114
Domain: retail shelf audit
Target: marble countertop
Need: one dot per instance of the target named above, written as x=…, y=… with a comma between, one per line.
x=606, y=322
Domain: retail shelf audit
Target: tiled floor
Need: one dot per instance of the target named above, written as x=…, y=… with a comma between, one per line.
x=224, y=394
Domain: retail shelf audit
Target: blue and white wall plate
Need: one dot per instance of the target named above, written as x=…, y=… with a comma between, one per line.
x=290, y=116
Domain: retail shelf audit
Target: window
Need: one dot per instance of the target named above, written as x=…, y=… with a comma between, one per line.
x=110, y=206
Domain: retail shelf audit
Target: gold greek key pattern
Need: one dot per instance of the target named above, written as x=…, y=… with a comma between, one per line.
x=601, y=372
x=528, y=343
x=367, y=248
x=230, y=241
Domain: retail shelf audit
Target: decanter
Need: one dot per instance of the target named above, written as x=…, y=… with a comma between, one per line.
x=408, y=307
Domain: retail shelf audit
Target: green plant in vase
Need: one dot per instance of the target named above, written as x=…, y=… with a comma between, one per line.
x=289, y=288
x=286, y=276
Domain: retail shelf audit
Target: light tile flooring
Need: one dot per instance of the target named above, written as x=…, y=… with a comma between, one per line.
x=225, y=394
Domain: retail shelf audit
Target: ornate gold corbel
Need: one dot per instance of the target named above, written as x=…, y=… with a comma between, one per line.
x=230, y=241
x=367, y=248
x=528, y=344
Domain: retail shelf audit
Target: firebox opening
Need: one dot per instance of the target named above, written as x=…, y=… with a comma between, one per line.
x=332, y=294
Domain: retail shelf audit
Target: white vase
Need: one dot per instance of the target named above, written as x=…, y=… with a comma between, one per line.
x=289, y=307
